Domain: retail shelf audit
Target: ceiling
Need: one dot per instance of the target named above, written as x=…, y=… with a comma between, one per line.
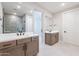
x=27, y=7
x=55, y=7
x=12, y=7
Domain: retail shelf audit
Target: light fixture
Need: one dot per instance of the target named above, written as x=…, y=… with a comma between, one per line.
x=18, y=6
x=14, y=13
x=31, y=11
x=62, y=4
x=13, y=18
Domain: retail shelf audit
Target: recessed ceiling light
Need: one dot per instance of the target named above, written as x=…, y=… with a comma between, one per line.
x=31, y=11
x=62, y=4
x=14, y=13
x=18, y=6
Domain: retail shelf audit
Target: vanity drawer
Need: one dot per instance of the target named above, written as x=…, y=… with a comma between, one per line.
x=7, y=44
x=24, y=40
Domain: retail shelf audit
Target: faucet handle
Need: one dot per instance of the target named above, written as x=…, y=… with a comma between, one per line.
x=17, y=34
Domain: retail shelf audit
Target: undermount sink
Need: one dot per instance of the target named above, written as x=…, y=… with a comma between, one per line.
x=51, y=31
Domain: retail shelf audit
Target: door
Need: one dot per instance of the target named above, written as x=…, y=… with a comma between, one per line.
x=68, y=26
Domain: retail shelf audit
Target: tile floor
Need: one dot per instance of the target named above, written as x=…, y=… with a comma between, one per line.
x=59, y=49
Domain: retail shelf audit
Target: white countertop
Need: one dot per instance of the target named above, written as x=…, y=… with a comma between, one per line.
x=52, y=32
x=13, y=36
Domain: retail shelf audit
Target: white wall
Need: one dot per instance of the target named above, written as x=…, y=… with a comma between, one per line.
x=57, y=21
x=1, y=16
x=71, y=20
x=29, y=23
x=47, y=20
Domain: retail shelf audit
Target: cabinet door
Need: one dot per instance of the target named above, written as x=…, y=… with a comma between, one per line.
x=13, y=51
x=47, y=38
x=35, y=43
x=33, y=47
x=29, y=50
x=53, y=39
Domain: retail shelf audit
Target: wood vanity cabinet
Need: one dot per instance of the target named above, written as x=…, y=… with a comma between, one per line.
x=51, y=38
x=21, y=47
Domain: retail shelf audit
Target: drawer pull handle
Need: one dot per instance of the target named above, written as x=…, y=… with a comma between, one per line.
x=6, y=45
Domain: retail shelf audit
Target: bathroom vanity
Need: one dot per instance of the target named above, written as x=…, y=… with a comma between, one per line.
x=24, y=45
x=51, y=37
